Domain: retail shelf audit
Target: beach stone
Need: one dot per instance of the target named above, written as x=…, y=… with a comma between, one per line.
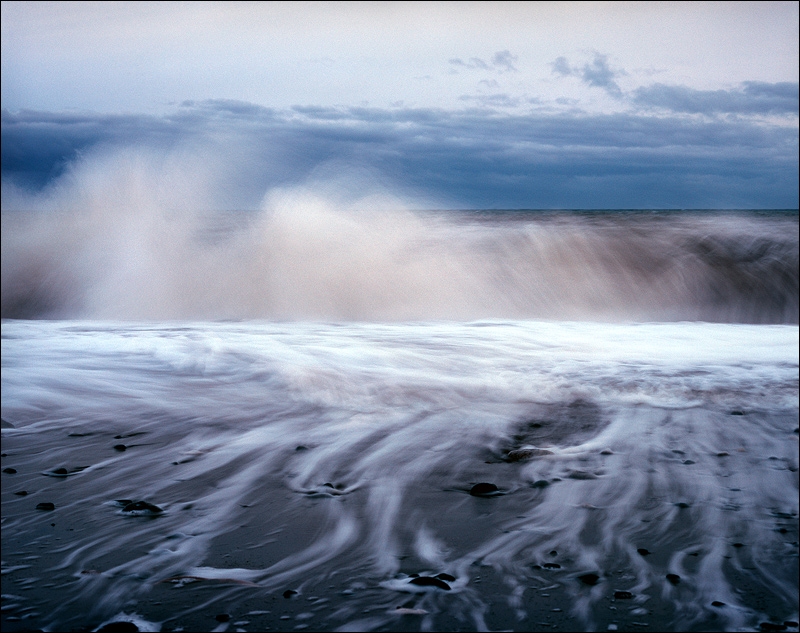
x=45, y=505
x=446, y=577
x=682, y=504
x=717, y=603
x=222, y=617
x=118, y=627
x=542, y=483
x=21, y=493
x=289, y=593
x=772, y=626
x=606, y=451
x=120, y=447
x=10, y=471
x=623, y=595
x=429, y=581
x=301, y=448
x=142, y=507
x=522, y=454
x=643, y=551
x=57, y=472
x=589, y=579
x=738, y=545
x=581, y=475
x=483, y=489
x=723, y=454
x=737, y=412
x=673, y=578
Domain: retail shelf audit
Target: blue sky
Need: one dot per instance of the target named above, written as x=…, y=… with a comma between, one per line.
x=451, y=105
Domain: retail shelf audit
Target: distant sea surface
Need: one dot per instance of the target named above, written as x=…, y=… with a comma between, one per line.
x=439, y=421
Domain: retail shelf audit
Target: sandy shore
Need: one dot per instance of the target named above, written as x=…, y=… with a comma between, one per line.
x=45, y=587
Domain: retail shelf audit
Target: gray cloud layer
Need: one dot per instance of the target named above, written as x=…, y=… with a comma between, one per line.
x=472, y=158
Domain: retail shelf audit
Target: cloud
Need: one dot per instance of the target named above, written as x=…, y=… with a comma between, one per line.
x=596, y=73
x=751, y=97
x=502, y=61
x=470, y=158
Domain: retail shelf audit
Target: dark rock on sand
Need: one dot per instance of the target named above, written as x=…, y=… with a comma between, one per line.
x=738, y=545
x=222, y=617
x=45, y=505
x=623, y=595
x=542, y=483
x=118, y=627
x=142, y=508
x=606, y=451
x=446, y=577
x=688, y=462
x=737, y=412
x=673, y=578
x=21, y=493
x=10, y=471
x=717, y=603
x=723, y=454
x=772, y=626
x=289, y=593
x=301, y=448
x=581, y=475
x=682, y=505
x=484, y=490
x=57, y=472
x=120, y=447
x=523, y=454
x=589, y=579
x=429, y=581
x=643, y=551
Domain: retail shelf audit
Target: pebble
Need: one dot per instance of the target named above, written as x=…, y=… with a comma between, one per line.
x=521, y=454
x=289, y=593
x=589, y=579
x=222, y=617
x=21, y=493
x=118, y=627
x=674, y=578
x=45, y=505
x=717, y=603
x=623, y=595
x=483, y=490
x=428, y=581
x=120, y=447
x=10, y=471
x=446, y=577
x=142, y=508
x=643, y=551
x=542, y=483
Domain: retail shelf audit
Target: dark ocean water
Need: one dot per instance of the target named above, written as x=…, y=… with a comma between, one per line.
x=628, y=382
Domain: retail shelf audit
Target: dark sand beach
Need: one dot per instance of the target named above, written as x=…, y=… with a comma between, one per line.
x=350, y=501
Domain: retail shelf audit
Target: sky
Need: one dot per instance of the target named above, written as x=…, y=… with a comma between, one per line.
x=446, y=105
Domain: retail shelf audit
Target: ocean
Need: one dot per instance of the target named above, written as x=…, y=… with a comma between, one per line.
x=340, y=420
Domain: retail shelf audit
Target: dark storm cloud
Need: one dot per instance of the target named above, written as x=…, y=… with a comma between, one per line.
x=751, y=97
x=476, y=157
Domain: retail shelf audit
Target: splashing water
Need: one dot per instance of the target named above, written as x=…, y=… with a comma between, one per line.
x=651, y=468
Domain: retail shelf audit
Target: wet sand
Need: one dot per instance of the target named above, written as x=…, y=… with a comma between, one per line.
x=44, y=588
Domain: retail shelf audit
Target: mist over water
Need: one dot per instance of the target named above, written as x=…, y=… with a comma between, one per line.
x=124, y=236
